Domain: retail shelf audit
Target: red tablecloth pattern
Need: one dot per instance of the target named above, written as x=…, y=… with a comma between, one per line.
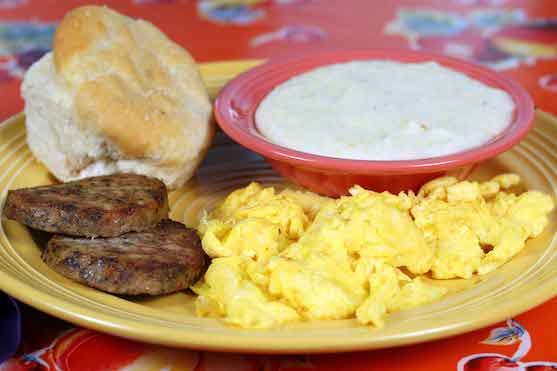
x=516, y=37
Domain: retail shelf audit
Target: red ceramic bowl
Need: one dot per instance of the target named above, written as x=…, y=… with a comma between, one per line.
x=237, y=102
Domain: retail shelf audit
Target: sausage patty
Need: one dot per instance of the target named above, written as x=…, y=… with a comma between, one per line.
x=99, y=206
x=162, y=260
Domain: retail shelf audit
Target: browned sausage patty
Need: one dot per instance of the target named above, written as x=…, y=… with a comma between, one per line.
x=99, y=206
x=161, y=260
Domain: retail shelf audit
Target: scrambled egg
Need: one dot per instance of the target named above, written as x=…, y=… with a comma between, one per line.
x=292, y=255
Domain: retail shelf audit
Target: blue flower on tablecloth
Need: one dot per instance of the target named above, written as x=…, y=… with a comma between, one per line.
x=492, y=18
x=296, y=34
x=4, y=4
x=427, y=22
x=510, y=334
x=498, y=38
x=238, y=12
x=18, y=37
x=21, y=45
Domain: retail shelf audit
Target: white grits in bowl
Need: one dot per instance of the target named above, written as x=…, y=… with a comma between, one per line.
x=383, y=110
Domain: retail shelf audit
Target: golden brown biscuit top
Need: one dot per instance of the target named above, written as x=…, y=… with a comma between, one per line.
x=132, y=84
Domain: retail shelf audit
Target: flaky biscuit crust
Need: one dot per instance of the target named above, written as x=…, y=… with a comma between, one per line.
x=133, y=86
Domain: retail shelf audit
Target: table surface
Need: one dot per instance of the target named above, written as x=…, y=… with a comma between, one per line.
x=518, y=38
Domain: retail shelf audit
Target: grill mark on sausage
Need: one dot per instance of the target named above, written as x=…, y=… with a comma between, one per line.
x=105, y=206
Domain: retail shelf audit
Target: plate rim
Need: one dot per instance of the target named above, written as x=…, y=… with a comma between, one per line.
x=149, y=333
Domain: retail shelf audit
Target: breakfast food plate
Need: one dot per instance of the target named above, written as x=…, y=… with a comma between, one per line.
x=527, y=280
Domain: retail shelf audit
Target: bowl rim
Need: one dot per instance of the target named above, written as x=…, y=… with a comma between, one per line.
x=235, y=114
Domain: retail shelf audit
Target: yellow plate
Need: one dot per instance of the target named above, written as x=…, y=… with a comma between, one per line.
x=528, y=280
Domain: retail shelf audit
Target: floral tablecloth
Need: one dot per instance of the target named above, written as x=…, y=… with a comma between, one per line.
x=516, y=37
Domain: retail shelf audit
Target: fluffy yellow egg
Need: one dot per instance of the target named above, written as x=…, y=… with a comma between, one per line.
x=286, y=256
